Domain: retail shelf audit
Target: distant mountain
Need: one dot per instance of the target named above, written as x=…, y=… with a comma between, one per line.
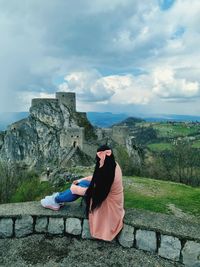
x=105, y=119
x=171, y=117
x=7, y=118
x=130, y=121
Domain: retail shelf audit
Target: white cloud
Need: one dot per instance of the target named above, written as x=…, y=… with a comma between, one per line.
x=114, y=89
x=88, y=85
x=105, y=39
x=169, y=87
x=26, y=97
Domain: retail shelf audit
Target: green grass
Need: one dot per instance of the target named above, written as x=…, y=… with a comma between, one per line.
x=142, y=193
x=169, y=130
x=156, y=195
x=160, y=146
x=196, y=144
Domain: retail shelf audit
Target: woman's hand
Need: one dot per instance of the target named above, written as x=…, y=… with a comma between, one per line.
x=75, y=182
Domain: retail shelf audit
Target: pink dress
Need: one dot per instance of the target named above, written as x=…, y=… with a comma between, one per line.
x=106, y=221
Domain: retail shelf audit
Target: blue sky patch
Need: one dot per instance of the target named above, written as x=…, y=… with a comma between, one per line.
x=178, y=33
x=166, y=4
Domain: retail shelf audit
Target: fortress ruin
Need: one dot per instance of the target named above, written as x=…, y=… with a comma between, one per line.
x=54, y=131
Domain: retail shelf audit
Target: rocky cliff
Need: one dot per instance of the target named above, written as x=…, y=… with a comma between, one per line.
x=55, y=134
x=38, y=139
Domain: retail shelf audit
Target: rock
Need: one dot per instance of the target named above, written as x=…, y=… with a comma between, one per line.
x=73, y=226
x=146, y=240
x=126, y=237
x=86, y=230
x=55, y=134
x=191, y=254
x=47, y=135
x=41, y=225
x=170, y=247
x=56, y=226
x=24, y=226
x=6, y=227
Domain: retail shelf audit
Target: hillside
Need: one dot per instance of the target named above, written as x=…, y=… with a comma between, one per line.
x=161, y=135
x=162, y=196
x=140, y=192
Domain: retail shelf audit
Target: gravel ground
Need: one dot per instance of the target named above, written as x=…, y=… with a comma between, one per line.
x=41, y=251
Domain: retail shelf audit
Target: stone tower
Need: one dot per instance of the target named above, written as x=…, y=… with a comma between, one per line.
x=67, y=99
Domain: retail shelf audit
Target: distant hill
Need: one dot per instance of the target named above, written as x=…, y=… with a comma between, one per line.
x=130, y=121
x=105, y=119
x=170, y=117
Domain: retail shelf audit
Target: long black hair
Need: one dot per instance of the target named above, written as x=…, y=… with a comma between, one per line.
x=101, y=181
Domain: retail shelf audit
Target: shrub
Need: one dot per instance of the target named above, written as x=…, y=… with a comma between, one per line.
x=32, y=190
x=125, y=161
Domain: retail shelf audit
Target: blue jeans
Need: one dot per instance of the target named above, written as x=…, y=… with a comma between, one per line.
x=67, y=195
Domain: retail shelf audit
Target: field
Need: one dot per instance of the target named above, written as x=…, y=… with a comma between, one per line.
x=162, y=196
x=179, y=129
x=158, y=147
x=196, y=144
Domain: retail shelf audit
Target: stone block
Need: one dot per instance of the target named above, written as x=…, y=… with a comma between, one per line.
x=191, y=254
x=170, y=247
x=86, y=230
x=56, y=226
x=126, y=237
x=6, y=227
x=41, y=225
x=24, y=226
x=73, y=226
x=146, y=240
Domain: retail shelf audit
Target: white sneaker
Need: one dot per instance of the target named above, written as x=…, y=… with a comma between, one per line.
x=54, y=195
x=49, y=203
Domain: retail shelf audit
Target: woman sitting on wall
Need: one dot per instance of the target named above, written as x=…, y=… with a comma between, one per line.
x=103, y=192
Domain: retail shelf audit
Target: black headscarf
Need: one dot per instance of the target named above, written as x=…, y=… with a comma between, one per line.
x=101, y=181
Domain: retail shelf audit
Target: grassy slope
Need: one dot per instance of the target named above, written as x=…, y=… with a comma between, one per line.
x=168, y=130
x=156, y=195
x=142, y=193
x=196, y=144
x=159, y=146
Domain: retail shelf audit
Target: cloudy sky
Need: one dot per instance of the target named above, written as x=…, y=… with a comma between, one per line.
x=120, y=55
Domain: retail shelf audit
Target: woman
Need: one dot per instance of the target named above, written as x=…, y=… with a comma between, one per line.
x=103, y=192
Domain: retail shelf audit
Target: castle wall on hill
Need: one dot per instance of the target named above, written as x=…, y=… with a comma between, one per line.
x=52, y=128
x=37, y=101
x=72, y=137
x=90, y=149
x=105, y=133
x=120, y=134
x=67, y=99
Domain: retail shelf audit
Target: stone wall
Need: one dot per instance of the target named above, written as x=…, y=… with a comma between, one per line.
x=41, y=101
x=67, y=99
x=119, y=134
x=165, y=235
x=72, y=137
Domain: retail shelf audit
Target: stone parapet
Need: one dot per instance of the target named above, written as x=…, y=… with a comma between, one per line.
x=169, y=237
